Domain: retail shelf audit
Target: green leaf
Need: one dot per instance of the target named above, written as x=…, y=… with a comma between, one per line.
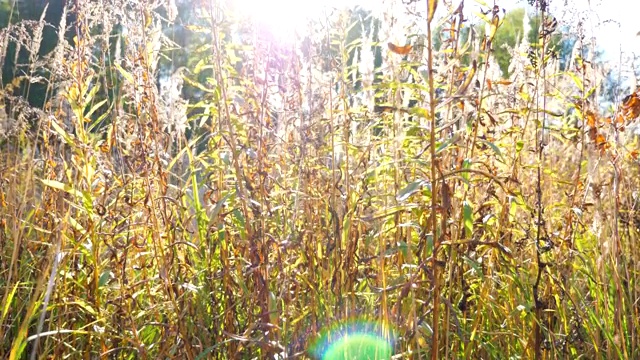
x=476, y=266
x=220, y=204
x=410, y=189
x=104, y=278
x=446, y=144
x=205, y=352
x=577, y=80
x=591, y=91
x=239, y=221
x=468, y=219
x=386, y=212
x=494, y=148
x=419, y=111
x=466, y=164
x=430, y=244
x=95, y=107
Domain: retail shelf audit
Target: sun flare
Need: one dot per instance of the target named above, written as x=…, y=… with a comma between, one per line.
x=284, y=19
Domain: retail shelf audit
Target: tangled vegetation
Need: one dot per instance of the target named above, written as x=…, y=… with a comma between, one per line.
x=189, y=186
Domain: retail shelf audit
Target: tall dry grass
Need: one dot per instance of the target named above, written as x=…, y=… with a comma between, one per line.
x=297, y=188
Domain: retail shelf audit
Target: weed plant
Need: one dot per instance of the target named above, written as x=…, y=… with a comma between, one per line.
x=193, y=187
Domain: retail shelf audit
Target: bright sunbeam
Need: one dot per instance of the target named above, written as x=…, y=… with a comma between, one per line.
x=284, y=18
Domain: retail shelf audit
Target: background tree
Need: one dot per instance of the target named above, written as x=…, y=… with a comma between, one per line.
x=511, y=33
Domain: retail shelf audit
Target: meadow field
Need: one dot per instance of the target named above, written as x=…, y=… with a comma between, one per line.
x=178, y=181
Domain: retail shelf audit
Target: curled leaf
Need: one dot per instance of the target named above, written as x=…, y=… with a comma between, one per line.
x=631, y=106
x=400, y=50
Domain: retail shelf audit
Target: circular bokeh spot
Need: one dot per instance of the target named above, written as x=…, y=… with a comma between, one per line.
x=359, y=347
x=354, y=339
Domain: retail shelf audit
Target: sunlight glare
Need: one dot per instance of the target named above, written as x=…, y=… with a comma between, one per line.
x=282, y=18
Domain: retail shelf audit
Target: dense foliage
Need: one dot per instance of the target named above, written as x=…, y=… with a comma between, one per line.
x=191, y=186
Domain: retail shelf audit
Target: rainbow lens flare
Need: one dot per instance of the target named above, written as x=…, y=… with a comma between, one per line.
x=355, y=340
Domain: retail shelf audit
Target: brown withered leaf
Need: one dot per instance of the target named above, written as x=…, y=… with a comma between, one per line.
x=400, y=50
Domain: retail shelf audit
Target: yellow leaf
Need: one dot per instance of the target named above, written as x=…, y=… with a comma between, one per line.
x=433, y=4
x=62, y=132
x=61, y=186
x=125, y=74
x=76, y=225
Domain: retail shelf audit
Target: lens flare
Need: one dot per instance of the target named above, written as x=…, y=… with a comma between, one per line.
x=359, y=346
x=355, y=340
